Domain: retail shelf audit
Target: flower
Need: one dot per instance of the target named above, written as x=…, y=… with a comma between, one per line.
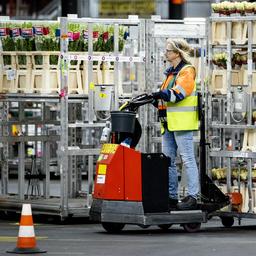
x=220, y=59
x=240, y=7
x=225, y=5
x=248, y=7
x=215, y=7
x=254, y=7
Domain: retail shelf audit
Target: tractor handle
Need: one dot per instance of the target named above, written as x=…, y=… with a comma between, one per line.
x=136, y=102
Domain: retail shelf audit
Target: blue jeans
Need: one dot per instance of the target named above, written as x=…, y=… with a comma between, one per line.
x=183, y=140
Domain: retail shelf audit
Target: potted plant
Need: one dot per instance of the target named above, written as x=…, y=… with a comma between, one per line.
x=215, y=8
x=226, y=8
x=248, y=8
x=220, y=60
x=236, y=60
x=240, y=8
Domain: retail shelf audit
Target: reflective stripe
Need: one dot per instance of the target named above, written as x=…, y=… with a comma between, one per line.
x=190, y=101
x=26, y=231
x=173, y=97
x=26, y=209
x=182, y=109
x=194, y=93
x=181, y=89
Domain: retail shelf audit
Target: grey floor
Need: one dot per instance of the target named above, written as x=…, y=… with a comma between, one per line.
x=79, y=237
x=82, y=238
x=54, y=186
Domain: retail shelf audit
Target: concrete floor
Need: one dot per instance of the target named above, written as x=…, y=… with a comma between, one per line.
x=54, y=186
x=81, y=238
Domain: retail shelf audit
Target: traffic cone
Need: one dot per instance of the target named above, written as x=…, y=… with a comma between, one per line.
x=26, y=242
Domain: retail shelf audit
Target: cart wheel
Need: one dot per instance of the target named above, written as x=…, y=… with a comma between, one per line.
x=143, y=226
x=192, y=227
x=165, y=226
x=227, y=222
x=112, y=227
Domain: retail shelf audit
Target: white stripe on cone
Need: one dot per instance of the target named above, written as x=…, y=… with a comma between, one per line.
x=26, y=209
x=26, y=231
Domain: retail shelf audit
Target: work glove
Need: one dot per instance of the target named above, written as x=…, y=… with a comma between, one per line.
x=163, y=95
x=157, y=95
x=155, y=103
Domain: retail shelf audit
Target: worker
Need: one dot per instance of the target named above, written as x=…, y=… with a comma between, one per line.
x=177, y=110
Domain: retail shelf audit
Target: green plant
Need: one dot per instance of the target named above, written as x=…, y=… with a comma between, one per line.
x=103, y=43
x=8, y=45
x=220, y=59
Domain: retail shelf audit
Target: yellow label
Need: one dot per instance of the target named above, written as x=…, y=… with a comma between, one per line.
x=132, y=76
x=91, y=86
x=102, y=169
x=109, y=148
x=103, y=95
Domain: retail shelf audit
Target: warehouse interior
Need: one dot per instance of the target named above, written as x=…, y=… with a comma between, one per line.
x=68, y=69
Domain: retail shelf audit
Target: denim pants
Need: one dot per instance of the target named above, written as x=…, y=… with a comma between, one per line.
x=183, y=140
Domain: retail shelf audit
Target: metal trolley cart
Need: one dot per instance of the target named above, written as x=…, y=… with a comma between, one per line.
x=230, y=113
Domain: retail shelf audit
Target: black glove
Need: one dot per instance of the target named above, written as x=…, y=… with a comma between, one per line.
x=155, y=103
x=157, y=95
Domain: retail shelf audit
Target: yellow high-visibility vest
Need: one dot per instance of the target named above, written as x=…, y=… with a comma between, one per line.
x=183, y=115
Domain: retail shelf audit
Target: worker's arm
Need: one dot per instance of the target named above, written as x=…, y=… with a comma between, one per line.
x=183, y=87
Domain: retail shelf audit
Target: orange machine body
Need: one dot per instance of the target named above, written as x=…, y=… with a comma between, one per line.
x=118, y=174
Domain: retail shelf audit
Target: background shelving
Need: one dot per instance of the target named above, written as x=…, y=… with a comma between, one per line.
x=231, y=106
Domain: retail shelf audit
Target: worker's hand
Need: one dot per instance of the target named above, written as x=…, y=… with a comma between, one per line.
x=155, y=103
x=163, y=95
x=157, y=95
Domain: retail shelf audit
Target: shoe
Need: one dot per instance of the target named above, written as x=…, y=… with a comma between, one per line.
x=172, y=203
x=187, y=203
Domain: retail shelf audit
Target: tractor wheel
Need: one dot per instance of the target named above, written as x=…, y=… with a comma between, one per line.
x=143, y=226
x=227, y=222
x=192, y=227
x=112, y=227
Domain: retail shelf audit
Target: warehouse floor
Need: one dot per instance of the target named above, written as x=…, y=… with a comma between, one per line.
x=81, y=238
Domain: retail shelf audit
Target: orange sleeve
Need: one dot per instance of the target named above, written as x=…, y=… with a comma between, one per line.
x=186, y=80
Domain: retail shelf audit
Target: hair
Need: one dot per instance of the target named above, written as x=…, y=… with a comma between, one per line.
x=179, y=46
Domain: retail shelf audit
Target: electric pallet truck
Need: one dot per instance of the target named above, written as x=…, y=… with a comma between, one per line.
x=132, y=187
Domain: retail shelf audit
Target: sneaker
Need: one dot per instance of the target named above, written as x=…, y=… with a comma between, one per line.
x=187, y=203
x=172, y=203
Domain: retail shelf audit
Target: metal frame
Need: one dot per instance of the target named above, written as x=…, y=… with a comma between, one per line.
x=64, y=149
x=224, y=128
x=72, y=200
x=146, y=59
x=157, y=31
x=44, y=203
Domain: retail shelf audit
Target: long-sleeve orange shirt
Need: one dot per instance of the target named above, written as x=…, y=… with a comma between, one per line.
x=177, y=88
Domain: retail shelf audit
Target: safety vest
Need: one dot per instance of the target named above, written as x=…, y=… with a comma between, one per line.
x=183, y=115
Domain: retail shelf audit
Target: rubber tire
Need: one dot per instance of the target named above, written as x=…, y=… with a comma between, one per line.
x=227, y=222
x=192, y=227
x=144, y=226
x=165, y=227
x=112, y=227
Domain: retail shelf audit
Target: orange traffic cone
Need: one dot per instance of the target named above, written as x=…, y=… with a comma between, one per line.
x=26, y=242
